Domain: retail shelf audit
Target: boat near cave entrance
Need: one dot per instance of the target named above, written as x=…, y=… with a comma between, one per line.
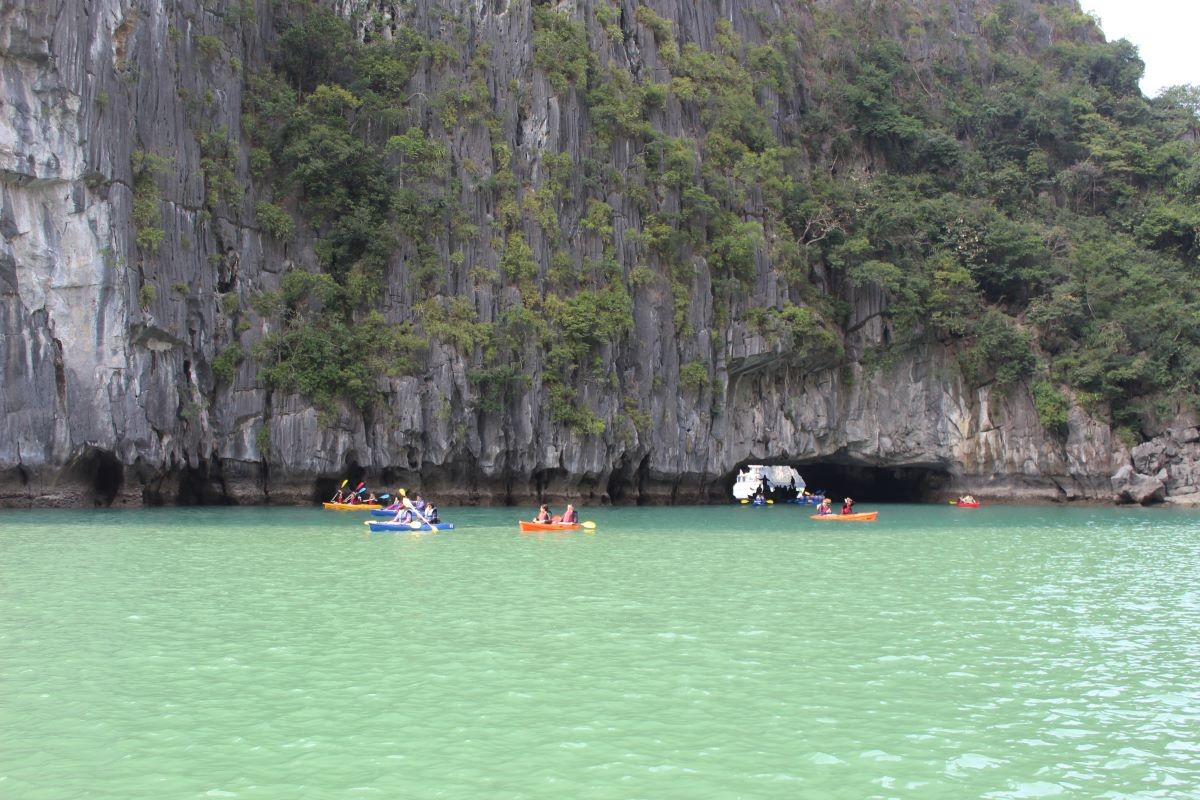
x=761, y=484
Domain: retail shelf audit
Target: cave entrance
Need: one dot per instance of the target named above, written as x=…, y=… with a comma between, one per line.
x=873, y=484
x=866, y=484
x=352, y=475
x=100, y=473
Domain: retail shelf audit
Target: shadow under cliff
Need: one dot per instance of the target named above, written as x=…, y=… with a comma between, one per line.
x=871, y=484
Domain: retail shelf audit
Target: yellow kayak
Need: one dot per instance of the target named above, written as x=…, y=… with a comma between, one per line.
x=351, y=506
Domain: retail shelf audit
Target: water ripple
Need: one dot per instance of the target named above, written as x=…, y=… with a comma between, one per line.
x=278, y=653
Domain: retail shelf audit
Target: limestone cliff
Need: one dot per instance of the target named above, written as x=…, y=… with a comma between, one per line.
x=123, y=279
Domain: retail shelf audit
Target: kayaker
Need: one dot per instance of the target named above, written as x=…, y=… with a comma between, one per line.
x=431, y=514
x=570, y=515
x=966, y=500
x=543, y=514
x=848, y=506
x=405, y=514
x=824, y=509
x=337, y=496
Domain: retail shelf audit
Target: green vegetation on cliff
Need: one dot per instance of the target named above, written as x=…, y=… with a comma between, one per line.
x=1000, y=181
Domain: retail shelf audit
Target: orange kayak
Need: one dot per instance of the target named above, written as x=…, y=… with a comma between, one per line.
x=540, y=527
x=351, y=507
x=864, y=516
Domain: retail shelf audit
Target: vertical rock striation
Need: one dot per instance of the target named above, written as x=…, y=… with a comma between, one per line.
x=107, y=343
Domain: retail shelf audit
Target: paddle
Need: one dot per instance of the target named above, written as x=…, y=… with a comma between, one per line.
x=339, y=490
x=588, y=525
x=414, y=525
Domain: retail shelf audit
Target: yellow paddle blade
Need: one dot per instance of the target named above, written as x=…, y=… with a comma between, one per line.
x=770, y=502
x=591, y=526
x=744, y=501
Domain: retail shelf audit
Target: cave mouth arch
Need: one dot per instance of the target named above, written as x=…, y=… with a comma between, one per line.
x=901, y=483
x=100, y=473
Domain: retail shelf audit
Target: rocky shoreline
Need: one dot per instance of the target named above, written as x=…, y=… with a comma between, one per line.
x=1162, y=471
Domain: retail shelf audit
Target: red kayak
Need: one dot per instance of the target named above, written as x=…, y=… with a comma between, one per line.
x=967, y=505
x=542, y=527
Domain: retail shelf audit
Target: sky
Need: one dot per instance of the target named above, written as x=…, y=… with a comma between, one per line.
x=1165, y=32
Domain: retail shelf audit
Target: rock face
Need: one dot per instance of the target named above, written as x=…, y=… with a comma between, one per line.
x=106, y=346
x=1134, y=487
x=1170, y=461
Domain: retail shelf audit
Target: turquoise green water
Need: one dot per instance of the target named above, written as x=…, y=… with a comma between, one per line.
x=674, y=653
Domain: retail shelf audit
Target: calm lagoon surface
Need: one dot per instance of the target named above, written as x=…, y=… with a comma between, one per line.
x=695, y=652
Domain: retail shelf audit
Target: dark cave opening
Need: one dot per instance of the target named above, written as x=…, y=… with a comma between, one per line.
x=324, y=488
x=876, y=484
x=202, y=486
x=865, y=483
x=101, y=472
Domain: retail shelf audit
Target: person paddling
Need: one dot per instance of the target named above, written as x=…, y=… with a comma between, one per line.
x=407, y=511
x=404, y=511
x=570, y=515
x=825, y=509
x=848, y=505
x=543, y=514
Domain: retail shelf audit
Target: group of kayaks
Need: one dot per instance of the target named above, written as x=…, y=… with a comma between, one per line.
x=386, y=525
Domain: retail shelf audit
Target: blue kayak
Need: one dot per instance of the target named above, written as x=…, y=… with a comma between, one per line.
x=383, y=512
x=406, y=527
